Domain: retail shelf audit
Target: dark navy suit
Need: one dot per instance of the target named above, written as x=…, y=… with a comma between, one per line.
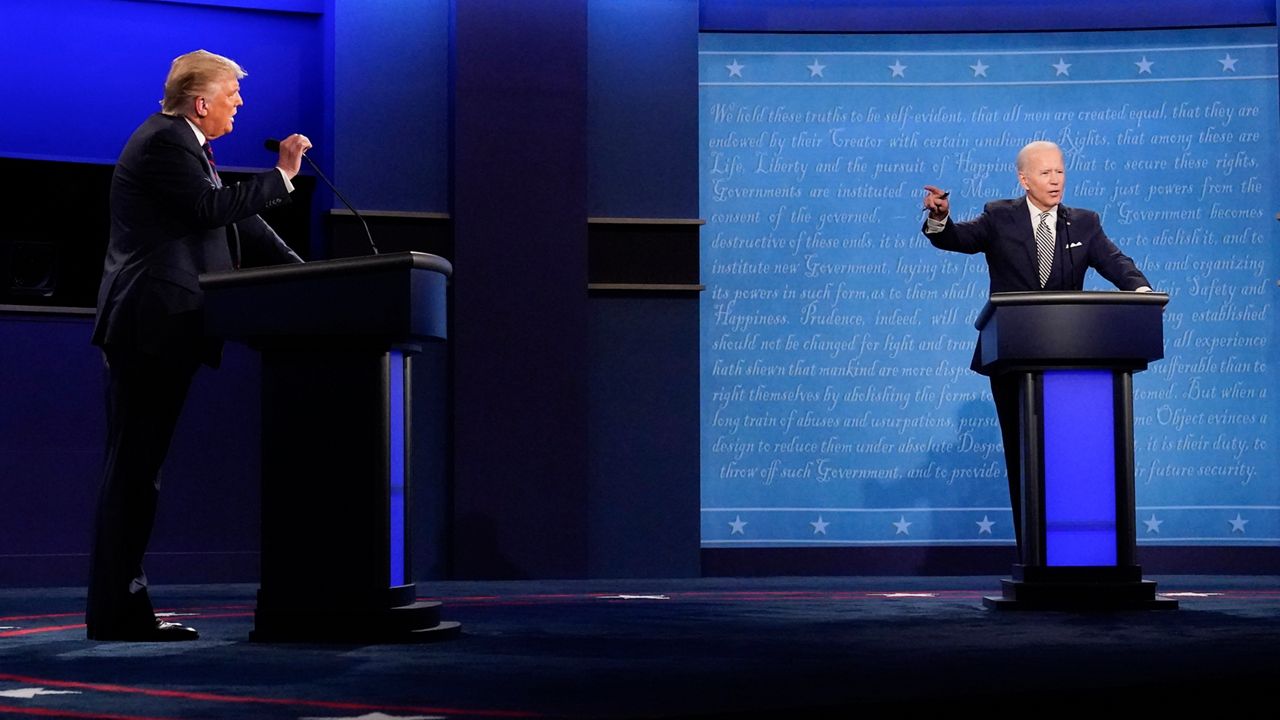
x=170, y=221
x=1003, y=232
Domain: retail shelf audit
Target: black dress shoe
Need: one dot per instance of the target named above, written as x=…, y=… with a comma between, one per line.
x=160, y=632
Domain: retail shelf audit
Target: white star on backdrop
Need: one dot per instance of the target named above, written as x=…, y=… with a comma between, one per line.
x=902, y=526
x=1228, y=63
x=1153, y=525
x=1237, y=525
x=979, y=70
x=984, y=525
x=815, y=70
x=819, y=526
x=28, y=693
x=899, y=70
x=738, y=526
x=1144, y=65
x=1062, y=67
x=735, y=68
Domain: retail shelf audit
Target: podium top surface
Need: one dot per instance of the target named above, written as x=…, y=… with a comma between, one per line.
x=323, y=268
x=1015, y=299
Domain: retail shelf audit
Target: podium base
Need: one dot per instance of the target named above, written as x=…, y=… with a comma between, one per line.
x=387, y=617
x=1078, y=589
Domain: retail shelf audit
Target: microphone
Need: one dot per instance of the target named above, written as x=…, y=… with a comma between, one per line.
x=274, y=146
x=1066, y=244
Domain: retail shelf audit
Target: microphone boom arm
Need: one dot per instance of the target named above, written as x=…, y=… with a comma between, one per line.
x=274, y=146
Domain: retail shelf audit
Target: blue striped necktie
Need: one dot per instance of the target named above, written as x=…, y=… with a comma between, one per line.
x=1044, y=247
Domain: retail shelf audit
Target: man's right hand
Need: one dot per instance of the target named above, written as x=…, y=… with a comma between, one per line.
x=291, y=151
x=936, y=202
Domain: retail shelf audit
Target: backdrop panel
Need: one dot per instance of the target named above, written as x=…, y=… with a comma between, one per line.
x=837, y=403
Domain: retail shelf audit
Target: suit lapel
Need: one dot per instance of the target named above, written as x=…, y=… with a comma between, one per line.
x=1060, y=239
x=208, y=167
x=189, y=142
x=1026, y=236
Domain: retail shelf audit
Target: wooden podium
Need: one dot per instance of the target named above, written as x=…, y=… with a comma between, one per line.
x=1075, y=354
x=337, y=340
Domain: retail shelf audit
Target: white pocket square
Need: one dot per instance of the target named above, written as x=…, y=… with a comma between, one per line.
x=1074, y=245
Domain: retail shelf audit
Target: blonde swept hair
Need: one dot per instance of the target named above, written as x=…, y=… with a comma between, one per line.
x=192, y=75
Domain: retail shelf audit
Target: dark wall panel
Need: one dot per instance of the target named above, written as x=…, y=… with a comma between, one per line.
x=519, y=288
x=642, y=121
x=52, y=431
x=207, y=528
x=52, y=425
x=391, y=104
x=644, y=435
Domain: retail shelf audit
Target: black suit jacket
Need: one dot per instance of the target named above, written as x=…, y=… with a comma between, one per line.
x=169, y=223
x=1003, y=232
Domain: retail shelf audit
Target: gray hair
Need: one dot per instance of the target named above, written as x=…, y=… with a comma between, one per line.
x=1031, y=147
x=192, y=75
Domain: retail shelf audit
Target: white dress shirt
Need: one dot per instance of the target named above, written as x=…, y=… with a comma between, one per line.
x=201, y=140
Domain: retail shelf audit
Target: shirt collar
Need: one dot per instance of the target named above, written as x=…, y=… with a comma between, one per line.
x=200, y=138
x=1035, y=213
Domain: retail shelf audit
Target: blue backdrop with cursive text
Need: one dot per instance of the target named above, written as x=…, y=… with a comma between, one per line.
x=837, y=404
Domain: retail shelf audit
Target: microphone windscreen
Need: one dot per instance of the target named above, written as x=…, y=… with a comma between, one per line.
x=272, y=144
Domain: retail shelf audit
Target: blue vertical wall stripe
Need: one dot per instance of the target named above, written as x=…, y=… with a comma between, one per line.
x=396, y=464
x=323, y=152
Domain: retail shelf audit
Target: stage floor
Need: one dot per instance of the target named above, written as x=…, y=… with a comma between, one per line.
x=781, y=647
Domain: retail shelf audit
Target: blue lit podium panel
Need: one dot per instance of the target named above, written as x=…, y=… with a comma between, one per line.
x=1075, y=354
x=337, y=340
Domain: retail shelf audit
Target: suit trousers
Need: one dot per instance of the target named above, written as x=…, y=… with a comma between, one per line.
x=1004, y=390
x=145, y=394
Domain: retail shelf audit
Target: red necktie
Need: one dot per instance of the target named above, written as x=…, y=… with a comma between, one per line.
x=233, y=238
x=208, y=152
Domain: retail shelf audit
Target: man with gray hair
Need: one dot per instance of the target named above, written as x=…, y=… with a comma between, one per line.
x=172, y=218
x=1031, y=243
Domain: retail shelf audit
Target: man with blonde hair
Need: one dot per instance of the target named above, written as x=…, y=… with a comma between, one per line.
x=172, y=219
x=1031, y=243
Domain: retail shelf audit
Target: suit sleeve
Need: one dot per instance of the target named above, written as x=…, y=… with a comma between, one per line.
x=1112, y=264
x=175, y=175
x=968, y=237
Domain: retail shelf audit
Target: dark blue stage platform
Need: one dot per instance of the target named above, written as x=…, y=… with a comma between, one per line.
x=785, y=647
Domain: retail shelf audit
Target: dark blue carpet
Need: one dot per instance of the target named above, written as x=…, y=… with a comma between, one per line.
x=786, y=647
